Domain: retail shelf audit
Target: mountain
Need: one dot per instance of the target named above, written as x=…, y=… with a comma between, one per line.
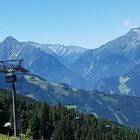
x=115, y=58
x=65, y=54
x=10, y=48
x=119, y=108
x=70, y=53
x=112, y=85
x=127, y=84
x=45, y=48
x=39, y=61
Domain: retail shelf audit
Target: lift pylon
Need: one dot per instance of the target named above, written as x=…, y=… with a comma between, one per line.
x=10, y=68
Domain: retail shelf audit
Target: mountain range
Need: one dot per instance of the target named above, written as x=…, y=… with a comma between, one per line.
x=77, y=66
x=43, y=61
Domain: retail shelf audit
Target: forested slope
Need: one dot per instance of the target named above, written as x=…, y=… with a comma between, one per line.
x=39, y=119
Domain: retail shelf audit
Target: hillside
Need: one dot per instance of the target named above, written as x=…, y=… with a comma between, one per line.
x=58, y=122
x=127, y=84
x=118, y=108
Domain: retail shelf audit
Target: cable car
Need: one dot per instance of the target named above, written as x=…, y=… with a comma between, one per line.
x=11, y=78
x=8, y=124
x=77, y=120
x=107, y=128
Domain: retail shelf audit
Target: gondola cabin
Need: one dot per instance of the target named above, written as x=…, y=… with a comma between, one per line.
x=107, y=128
x=77, y=120
x=11, y=78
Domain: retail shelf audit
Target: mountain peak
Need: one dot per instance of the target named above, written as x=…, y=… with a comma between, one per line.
x=136, y=30
x=10, y=39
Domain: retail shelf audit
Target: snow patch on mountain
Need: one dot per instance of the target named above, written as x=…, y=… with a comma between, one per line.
x=137, y=30
x=65, y=50
x=43, y=47
x=90, y=68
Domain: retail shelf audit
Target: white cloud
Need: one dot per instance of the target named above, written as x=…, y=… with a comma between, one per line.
x=126, y=23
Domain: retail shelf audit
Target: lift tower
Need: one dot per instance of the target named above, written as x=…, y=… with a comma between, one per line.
x=10, y=68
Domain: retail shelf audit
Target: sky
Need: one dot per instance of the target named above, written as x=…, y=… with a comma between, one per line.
x=87, y=23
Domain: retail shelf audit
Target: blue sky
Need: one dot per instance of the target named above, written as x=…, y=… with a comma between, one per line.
x=87, y=23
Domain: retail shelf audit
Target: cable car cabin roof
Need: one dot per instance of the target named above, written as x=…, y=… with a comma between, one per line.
x=77, y=120
x=8, y=124
x=108, y=126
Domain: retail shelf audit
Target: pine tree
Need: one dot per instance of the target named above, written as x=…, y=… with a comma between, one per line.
x=34, y=126
x=23, y=123
x=44, y=120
